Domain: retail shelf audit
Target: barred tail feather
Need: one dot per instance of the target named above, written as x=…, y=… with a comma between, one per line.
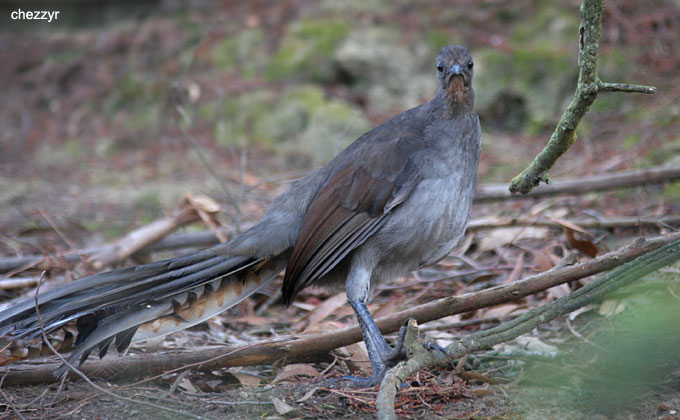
x=138, y=303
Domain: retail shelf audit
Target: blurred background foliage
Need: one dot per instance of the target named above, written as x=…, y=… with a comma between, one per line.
x=96, y=101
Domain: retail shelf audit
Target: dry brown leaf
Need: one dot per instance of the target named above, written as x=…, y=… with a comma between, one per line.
x=186, y=385
x=500, y=311
x=481, y=392
x=294, y=372
x=585, y=247
x=322, y=311
x=558, y=291
x=500, y=237
x=542, y=260
x=253, y=320
x=284, y=409
x=535, y=344
x=203, y=202
x=357, y=357
x=517, y=270
x=554, y=258
x=246, y=380
x=325, y=327
x=303, y=305
x=570, y=226
x=543, y=206
x=307, y=395
x=388, y=308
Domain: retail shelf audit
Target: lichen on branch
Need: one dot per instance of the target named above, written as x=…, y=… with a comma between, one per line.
x=589, y=85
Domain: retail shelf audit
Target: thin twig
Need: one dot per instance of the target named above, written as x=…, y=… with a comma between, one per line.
x=625, y=87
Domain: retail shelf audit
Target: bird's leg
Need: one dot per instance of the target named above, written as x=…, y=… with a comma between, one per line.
x=380, y=353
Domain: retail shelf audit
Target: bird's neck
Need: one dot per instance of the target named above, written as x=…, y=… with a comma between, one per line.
x=453, y=103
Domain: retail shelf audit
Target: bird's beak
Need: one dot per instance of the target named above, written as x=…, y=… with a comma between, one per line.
x=455, y=69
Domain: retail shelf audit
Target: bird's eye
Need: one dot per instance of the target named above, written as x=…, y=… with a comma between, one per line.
x=470, y=64
x=440, y=68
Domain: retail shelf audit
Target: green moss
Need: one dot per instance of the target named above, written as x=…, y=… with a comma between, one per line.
x=244, y=51
x=105, y=147
x=238, y=115
x=543, y=77
x=607, y=101
x=207, y=111
x=299, y=121
x=672, y=192
x=66, y=55
x=552, y=25
x=144, y=118
x=436, y=40
x=631, y=141
x=306, y=50
x=70, y=153
x=148, y=206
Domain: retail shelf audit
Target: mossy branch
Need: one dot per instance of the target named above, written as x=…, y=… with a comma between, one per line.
x=622, y=276
x=589, y=85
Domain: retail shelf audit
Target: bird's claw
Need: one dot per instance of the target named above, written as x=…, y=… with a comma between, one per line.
x=364, y=382
x=441, y=351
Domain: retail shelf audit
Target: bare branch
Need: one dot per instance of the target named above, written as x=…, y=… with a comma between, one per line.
x=139, y=238
x=586, y=91
x=585, y=184
x=604, y=223
x=625, y=87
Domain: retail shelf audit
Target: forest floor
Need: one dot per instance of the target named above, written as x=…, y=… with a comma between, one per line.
x=108, y=127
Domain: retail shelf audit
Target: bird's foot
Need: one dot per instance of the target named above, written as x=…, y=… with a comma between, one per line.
x=388, y=359
x=441, y=351
x=403, y=349
x=363, y=382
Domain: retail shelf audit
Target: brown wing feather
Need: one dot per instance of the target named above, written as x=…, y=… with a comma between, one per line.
x=348, y=209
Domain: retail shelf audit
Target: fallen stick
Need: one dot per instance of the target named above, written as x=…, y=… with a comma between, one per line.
x=488, y=192
x=315, y=347
x=494, y=222
x=18, y=283
x=124, y=247
x=168, y=243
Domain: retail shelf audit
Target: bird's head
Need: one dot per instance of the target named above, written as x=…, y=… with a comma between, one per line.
x=454, y=72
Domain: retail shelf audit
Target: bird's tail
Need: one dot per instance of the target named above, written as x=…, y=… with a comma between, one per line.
x=135, y=303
